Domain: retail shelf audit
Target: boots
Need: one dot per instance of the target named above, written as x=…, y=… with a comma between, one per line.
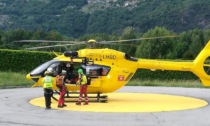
x=60, y=106
x=86, y=103
x=64, y=105
x=78, y=103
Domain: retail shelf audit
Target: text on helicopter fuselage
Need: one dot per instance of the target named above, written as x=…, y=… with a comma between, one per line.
x=107, y=57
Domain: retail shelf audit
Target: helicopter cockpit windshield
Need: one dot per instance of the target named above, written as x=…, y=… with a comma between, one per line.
x=54, y=64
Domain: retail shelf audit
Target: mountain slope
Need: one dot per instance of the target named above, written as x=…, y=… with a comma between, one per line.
x=77, y=17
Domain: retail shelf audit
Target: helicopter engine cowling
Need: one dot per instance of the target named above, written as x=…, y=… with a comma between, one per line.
x=71, y=54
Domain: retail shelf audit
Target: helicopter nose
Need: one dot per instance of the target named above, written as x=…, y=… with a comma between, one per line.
x=28, y=77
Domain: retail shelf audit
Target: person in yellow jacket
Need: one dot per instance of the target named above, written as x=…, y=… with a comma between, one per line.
x=48, y=92
x=82, y=81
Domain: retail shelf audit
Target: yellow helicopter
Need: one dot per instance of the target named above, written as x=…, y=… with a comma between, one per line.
x=110, y=69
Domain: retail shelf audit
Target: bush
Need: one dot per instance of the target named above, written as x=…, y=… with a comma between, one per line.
x=21, y=60
x=143, y=74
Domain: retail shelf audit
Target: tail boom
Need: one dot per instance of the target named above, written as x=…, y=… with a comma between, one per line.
x=197, y=66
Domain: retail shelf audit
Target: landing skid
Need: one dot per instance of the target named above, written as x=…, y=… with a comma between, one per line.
x=70, y=98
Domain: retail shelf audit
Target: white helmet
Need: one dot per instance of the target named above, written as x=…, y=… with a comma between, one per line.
x=63, y=72
x=68, y=65
x=50, y=70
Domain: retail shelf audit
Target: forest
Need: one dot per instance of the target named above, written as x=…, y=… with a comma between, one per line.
x=185, y=45
x=74, y=18
x=105, y=20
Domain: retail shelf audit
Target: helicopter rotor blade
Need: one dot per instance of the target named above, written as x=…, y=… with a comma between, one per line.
x=117, y=44
x=43, y=47
x=49, y=41
x=70, y=43
x=138, y=39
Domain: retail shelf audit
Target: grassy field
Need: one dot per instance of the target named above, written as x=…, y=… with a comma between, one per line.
x=12, y=79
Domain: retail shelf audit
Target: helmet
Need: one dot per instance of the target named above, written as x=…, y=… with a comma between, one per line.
x=68, y=65
x=80, y=71
x=63, y=72
x=46, y=73
x=50, y=69
x=91, y=40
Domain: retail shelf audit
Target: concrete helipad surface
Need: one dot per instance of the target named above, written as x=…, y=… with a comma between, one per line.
x=16, y=110
x=130, y=102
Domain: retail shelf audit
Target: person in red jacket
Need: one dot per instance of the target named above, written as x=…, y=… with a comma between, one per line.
x=60, y=82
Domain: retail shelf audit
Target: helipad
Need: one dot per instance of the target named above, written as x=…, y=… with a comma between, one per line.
x=132, y=102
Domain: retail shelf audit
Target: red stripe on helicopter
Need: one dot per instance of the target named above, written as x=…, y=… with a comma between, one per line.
x=121, y=77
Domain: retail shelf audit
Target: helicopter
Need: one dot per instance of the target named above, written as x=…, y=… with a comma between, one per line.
x=110, y=70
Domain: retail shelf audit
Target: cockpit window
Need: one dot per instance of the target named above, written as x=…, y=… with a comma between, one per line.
x=40, y=69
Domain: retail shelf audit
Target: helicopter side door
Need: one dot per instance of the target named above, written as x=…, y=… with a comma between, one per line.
x=95, y=73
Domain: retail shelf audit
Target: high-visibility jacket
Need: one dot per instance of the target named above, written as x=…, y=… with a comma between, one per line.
x=82, y=80
x=48, y=82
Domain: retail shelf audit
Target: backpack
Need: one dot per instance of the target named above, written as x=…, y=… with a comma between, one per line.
x=59, y=81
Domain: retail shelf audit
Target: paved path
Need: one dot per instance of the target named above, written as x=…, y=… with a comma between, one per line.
x=16, y=111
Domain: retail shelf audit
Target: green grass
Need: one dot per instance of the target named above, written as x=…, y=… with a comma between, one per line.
x=13, y=79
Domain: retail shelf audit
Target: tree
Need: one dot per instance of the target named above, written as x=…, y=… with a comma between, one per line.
x=155, y=48
x=193, y=41
x=128, y=33
x=1, y=35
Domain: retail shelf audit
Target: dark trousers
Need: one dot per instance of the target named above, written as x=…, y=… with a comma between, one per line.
x=48, y=94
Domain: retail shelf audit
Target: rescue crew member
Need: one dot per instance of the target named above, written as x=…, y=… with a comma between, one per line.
x=50, y=69
x=83, y=87
x=48, y=92
x=70, y=70
x=60, y=82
